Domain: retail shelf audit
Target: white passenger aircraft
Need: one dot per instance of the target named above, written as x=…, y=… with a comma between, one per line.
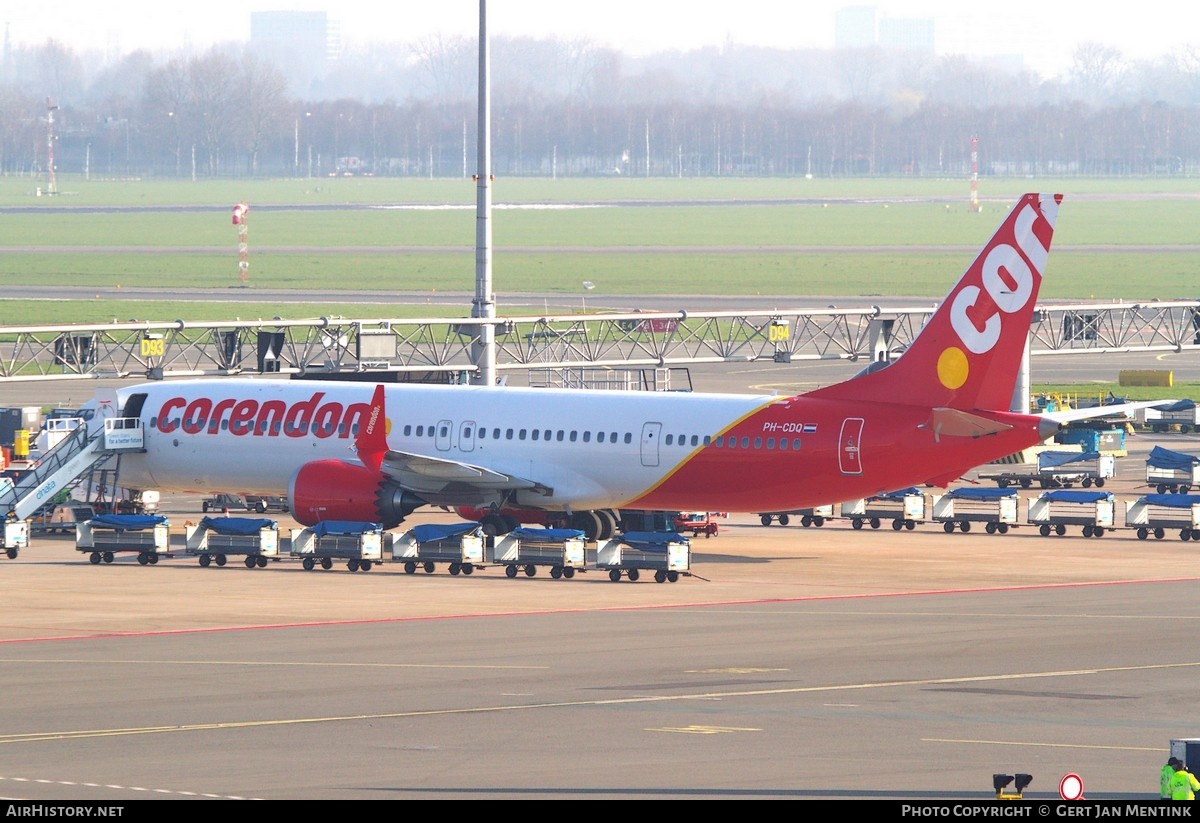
x=353, y=451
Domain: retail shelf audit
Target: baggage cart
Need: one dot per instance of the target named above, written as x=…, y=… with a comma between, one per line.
x=1053, y=511
x=461, y=545
x=1057, y=470
x=1153, y=514
x=813, y=516
x=522, y=549
x=667, y=554
x=216, y=539
x=1172, y=471
x=994, y=507
x=359, y=543
x=16, y=537
x=104, y=535
x=1184, y=413
x=905, y=508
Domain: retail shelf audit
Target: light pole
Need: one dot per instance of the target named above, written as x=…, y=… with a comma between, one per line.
x=296, y=152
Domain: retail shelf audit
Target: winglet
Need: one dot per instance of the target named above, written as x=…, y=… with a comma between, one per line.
x=371, y=441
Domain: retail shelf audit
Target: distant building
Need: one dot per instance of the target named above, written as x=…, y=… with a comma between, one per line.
x=301, y=44
x=912, y=34
x=854, y=27
x=862, y=27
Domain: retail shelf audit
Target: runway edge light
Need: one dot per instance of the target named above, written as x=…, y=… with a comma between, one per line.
x=1000, y=783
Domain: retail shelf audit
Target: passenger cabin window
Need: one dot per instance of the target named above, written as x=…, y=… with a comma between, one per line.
x=628, y=437
x=668, y=442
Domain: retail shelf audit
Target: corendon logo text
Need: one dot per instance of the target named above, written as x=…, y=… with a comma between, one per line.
x=1008, y=280
x=269, y=418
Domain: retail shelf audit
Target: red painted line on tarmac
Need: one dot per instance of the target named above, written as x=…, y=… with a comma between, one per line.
x=725, y=603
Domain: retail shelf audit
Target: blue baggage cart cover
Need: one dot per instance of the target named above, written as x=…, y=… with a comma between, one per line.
x=1174, y=501
x=976, y=493
x=1048, y=460
x=652, y=541
x=128, y=522
x=523, y=533
x=1074, y=496
x=237, y=525
x=1178, y=405
x=330, y=527
x=899, y=494
x=429, y=532
x=1166, y=459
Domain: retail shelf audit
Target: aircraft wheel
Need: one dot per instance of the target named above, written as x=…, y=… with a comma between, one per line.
x=221, y=559
x=856, y=523
x=205, y=560
x=262, y=562
x=1142, y=534
x=910, y=524
x=1088, y=531
x=633, y=575
x=672, y=576
x=1002, y=528
x=556, y=572
x=109, y=557
x=948, y=526
x=875, y=523
x=990, y=528
x=765, y=519
x=94, y=558
x=1159, y=533
x=964, y=526
x=308, y=564
x=614, y=575
x=352, y=564
x=410, y=567
x=365, y=565
x=455, y=569
x=530, y=570
x=467, y=568
x=143, y=558
x=784, y=520
x=510, y=571
x=897, y=525
x=250, y=561
x=660, y=576
x=568, y=572
x=326, y=563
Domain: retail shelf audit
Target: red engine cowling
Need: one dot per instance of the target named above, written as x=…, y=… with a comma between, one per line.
x=337, y=490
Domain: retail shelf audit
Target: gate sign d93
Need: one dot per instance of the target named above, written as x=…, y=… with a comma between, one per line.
x=153, y=347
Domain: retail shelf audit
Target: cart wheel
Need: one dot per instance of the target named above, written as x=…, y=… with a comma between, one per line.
x=1142, y=534
x=1184, y=489
x=1060, y=529
x=1086, y=483
x=1196, y=534
x=94, y=558
x=1099, y=482
x=910, y=524
x=633, y=575
x=455, y=569
x=1098, y=531
x=1025, y=482
x=250, y=561
x=467, y=568
x=948, y=526
x=660, y=576
x=897, y=525
x=143, y=558
x=1044, y=530
x=510, y=571
x=614, y=575
x=327, y=563
x=784, y=519
x=568, y=572
x=12, y=554
x=530, y=570
x=308, y=564
x=410, y=567
x=990, y=528
x=556, y=572
x=262, y=562
x=818, y=521
x=964, y=526
x=1159, y=533
x=152, y=557
x=352, y=564
x=205, y=560
x=109, y=557
x=428, y=567
x=672, y=576
x=1162, y=488
x=1087, y=531
x=765, y=519
x=806, y=521
x=1002, y=528
x=875, y=523
x=1185, y=534
x=857, y=523
x=364, y=565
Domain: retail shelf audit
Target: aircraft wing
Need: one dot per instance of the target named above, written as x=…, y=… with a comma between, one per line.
x=432, y=476
x=1116, y=410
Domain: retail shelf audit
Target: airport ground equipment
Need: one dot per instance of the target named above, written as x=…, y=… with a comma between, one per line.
x=106, y=534
x=905, y=508
x=360, y=544
x=698, y=523
x=813, y=516
x=1091, y=438
x=524, y=549
x=1052, y=511
x=996, y=508
x=1057, y=470
x=1182, y=413
x=1153, y=514
x=1172, y=471
x=216, y=539
x=461, y=545
x=61, y=517
x=16, y=537
x=667, y=554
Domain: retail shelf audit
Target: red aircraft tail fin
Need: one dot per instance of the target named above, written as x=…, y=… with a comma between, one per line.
x=969, y=353
x=371, y=441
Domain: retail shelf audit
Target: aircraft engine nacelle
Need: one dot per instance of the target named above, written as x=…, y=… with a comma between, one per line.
x=337, y=490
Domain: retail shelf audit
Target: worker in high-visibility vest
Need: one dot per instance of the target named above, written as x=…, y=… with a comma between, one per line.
x=1164, y=782
x=1183, y=784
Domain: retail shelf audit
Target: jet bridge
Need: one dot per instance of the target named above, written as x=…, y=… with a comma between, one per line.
x=84, y=449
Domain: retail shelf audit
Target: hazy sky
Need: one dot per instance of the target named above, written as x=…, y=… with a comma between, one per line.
x=1044, y=31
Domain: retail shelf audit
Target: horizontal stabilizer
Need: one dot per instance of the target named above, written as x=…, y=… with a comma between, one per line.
x=956, y=423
